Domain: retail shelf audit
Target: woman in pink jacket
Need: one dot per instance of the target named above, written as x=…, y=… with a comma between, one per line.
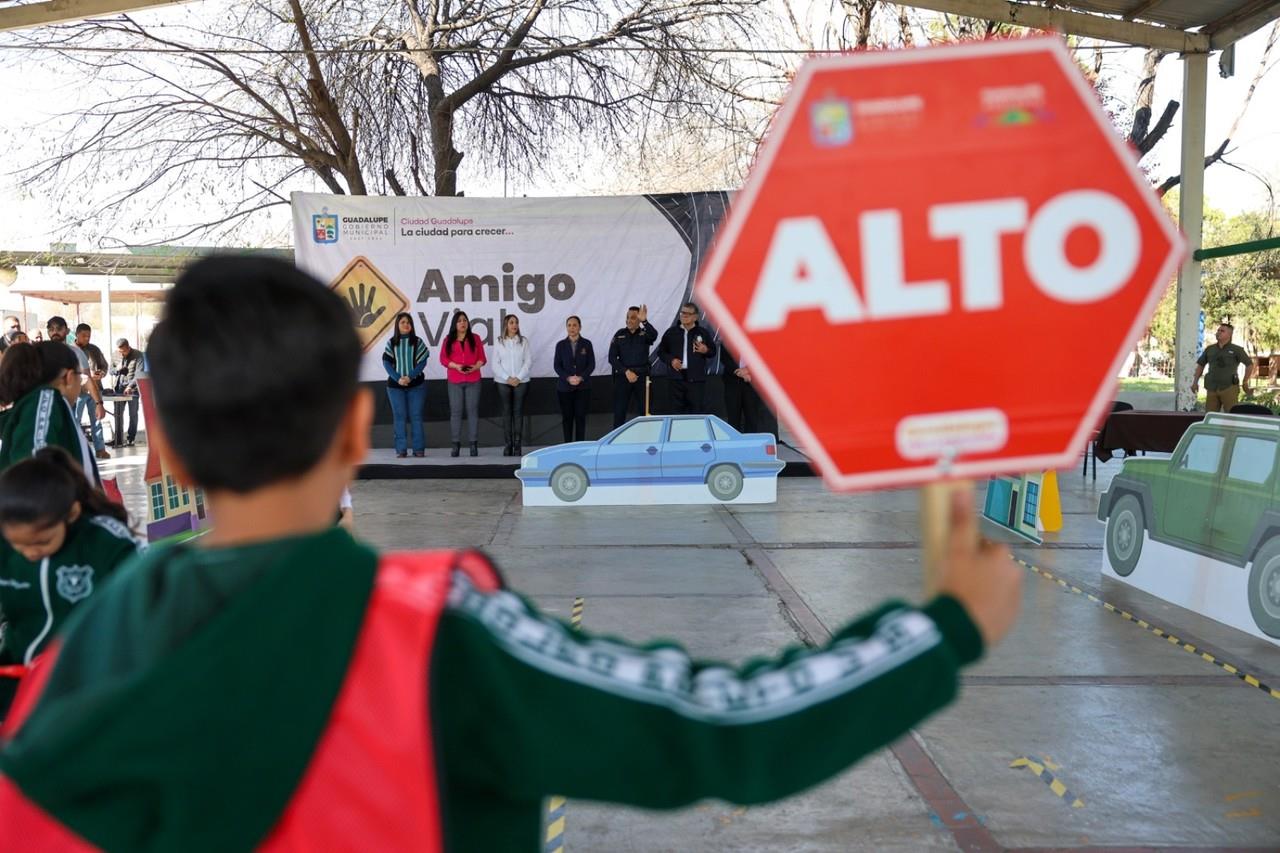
x=463, y=355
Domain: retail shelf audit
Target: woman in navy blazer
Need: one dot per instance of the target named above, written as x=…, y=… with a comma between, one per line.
x=575, y=362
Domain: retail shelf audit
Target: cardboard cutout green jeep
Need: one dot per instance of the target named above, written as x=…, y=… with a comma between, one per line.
x=1216, y=499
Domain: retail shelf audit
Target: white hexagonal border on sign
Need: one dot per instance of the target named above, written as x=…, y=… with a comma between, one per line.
x=706, y=295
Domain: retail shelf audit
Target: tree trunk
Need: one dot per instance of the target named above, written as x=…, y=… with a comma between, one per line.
x=1146, y=93
x=326, y=109
x=445, y=157
x=860, y=12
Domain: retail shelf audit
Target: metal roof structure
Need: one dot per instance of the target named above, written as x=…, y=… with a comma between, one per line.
x=25, y=15
x=1185, y=26
x=142, y=266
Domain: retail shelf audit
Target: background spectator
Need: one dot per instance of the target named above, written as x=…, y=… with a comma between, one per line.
x=463, y=354
x=1222, y=385
x=124, y=367
x=91, y=399
x=744, y=408
x=575, y=360
x=511, y=365
x=629, y=357
x=686, y=348
x=405, y=359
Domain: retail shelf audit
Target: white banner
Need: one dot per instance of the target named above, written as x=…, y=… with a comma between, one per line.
x=541, y=259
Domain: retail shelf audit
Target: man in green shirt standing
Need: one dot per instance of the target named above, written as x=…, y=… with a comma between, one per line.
x=1222, y=385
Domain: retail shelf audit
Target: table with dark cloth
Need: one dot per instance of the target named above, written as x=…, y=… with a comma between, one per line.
x=1134, y=430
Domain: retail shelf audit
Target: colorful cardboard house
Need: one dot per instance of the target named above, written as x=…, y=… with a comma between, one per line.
x=1013, y=503
x=173, y=510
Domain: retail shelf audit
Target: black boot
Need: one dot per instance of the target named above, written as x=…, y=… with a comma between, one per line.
x=515, y=447
x=475, y=448
x=506, y=448
x=457, y=448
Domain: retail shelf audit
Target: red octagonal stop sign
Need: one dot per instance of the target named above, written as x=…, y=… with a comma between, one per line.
x=940, y=261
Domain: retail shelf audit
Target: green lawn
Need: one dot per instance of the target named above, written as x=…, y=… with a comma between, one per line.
x=1127, y=384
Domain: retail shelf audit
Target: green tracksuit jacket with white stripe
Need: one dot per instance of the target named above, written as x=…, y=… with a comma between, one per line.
x=42, y=418
x=126, y=748
x=36, y=598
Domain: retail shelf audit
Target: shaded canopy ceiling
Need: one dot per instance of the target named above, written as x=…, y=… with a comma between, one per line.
x=1188, y=26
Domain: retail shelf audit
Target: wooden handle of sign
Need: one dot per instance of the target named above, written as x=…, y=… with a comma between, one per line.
x=935, y=527
x=647, y=383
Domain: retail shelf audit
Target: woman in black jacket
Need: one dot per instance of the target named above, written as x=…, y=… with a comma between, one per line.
x=575, y=362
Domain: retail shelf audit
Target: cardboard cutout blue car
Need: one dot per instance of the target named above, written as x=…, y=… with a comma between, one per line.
x=656, y=459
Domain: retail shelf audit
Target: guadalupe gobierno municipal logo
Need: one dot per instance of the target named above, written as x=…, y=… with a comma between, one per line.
x=324, y=227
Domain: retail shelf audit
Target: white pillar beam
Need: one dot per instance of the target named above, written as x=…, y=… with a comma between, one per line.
x=1190, y=219
x=105, y=341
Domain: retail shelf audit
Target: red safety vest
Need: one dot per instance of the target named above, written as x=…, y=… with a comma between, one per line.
x=371, y=784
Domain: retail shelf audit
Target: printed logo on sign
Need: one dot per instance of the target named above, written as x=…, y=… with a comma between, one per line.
x=373, y=299
x=75, y=583
x=324, y=227
x=1012, y=106
x=831, y=122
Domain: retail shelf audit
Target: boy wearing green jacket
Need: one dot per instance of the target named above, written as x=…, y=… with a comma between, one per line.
x=278, y=686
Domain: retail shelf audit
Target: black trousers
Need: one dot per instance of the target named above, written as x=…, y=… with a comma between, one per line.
x=512, y=410
x=745, y=408
x=624, y=393
x=118, y=408
x=573, y=412
x=688, y=398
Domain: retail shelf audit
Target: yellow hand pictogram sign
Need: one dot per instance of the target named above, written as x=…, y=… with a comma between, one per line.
x=373, y=299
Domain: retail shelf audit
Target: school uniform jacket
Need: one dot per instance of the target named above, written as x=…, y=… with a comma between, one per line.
x=37, y=598
x=43, y=418
x=266, y=697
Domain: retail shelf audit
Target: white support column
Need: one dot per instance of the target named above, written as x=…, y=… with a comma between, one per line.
x=1190, y=219
x=105, y=341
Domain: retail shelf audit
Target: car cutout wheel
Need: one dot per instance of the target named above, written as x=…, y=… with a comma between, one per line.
x=1125, y=529
x=724, y=482
x=1264, y=588
x=569, y=483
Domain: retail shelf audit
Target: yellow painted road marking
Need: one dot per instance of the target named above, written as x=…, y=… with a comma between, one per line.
x=1253, y=812
x=1251, y=680
x=1242, y=795
x=556, y=805
x=1055, y=784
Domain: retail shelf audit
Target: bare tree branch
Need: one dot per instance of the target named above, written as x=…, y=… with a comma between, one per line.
x=412, y=85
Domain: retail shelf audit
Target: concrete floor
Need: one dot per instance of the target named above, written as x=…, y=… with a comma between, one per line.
x=1164, y=749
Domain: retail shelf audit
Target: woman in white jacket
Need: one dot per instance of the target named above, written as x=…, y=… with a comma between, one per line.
x=510, y=364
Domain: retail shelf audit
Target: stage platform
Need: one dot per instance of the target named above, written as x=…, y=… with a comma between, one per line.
x=382, y=464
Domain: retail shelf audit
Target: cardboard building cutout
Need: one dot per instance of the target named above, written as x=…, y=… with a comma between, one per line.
x=1013, y=504
x=656, y=459
x=1202, y=529
x=174, y=511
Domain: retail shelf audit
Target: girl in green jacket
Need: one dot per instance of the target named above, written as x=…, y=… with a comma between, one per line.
x=59, y=540
x=42, y=382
